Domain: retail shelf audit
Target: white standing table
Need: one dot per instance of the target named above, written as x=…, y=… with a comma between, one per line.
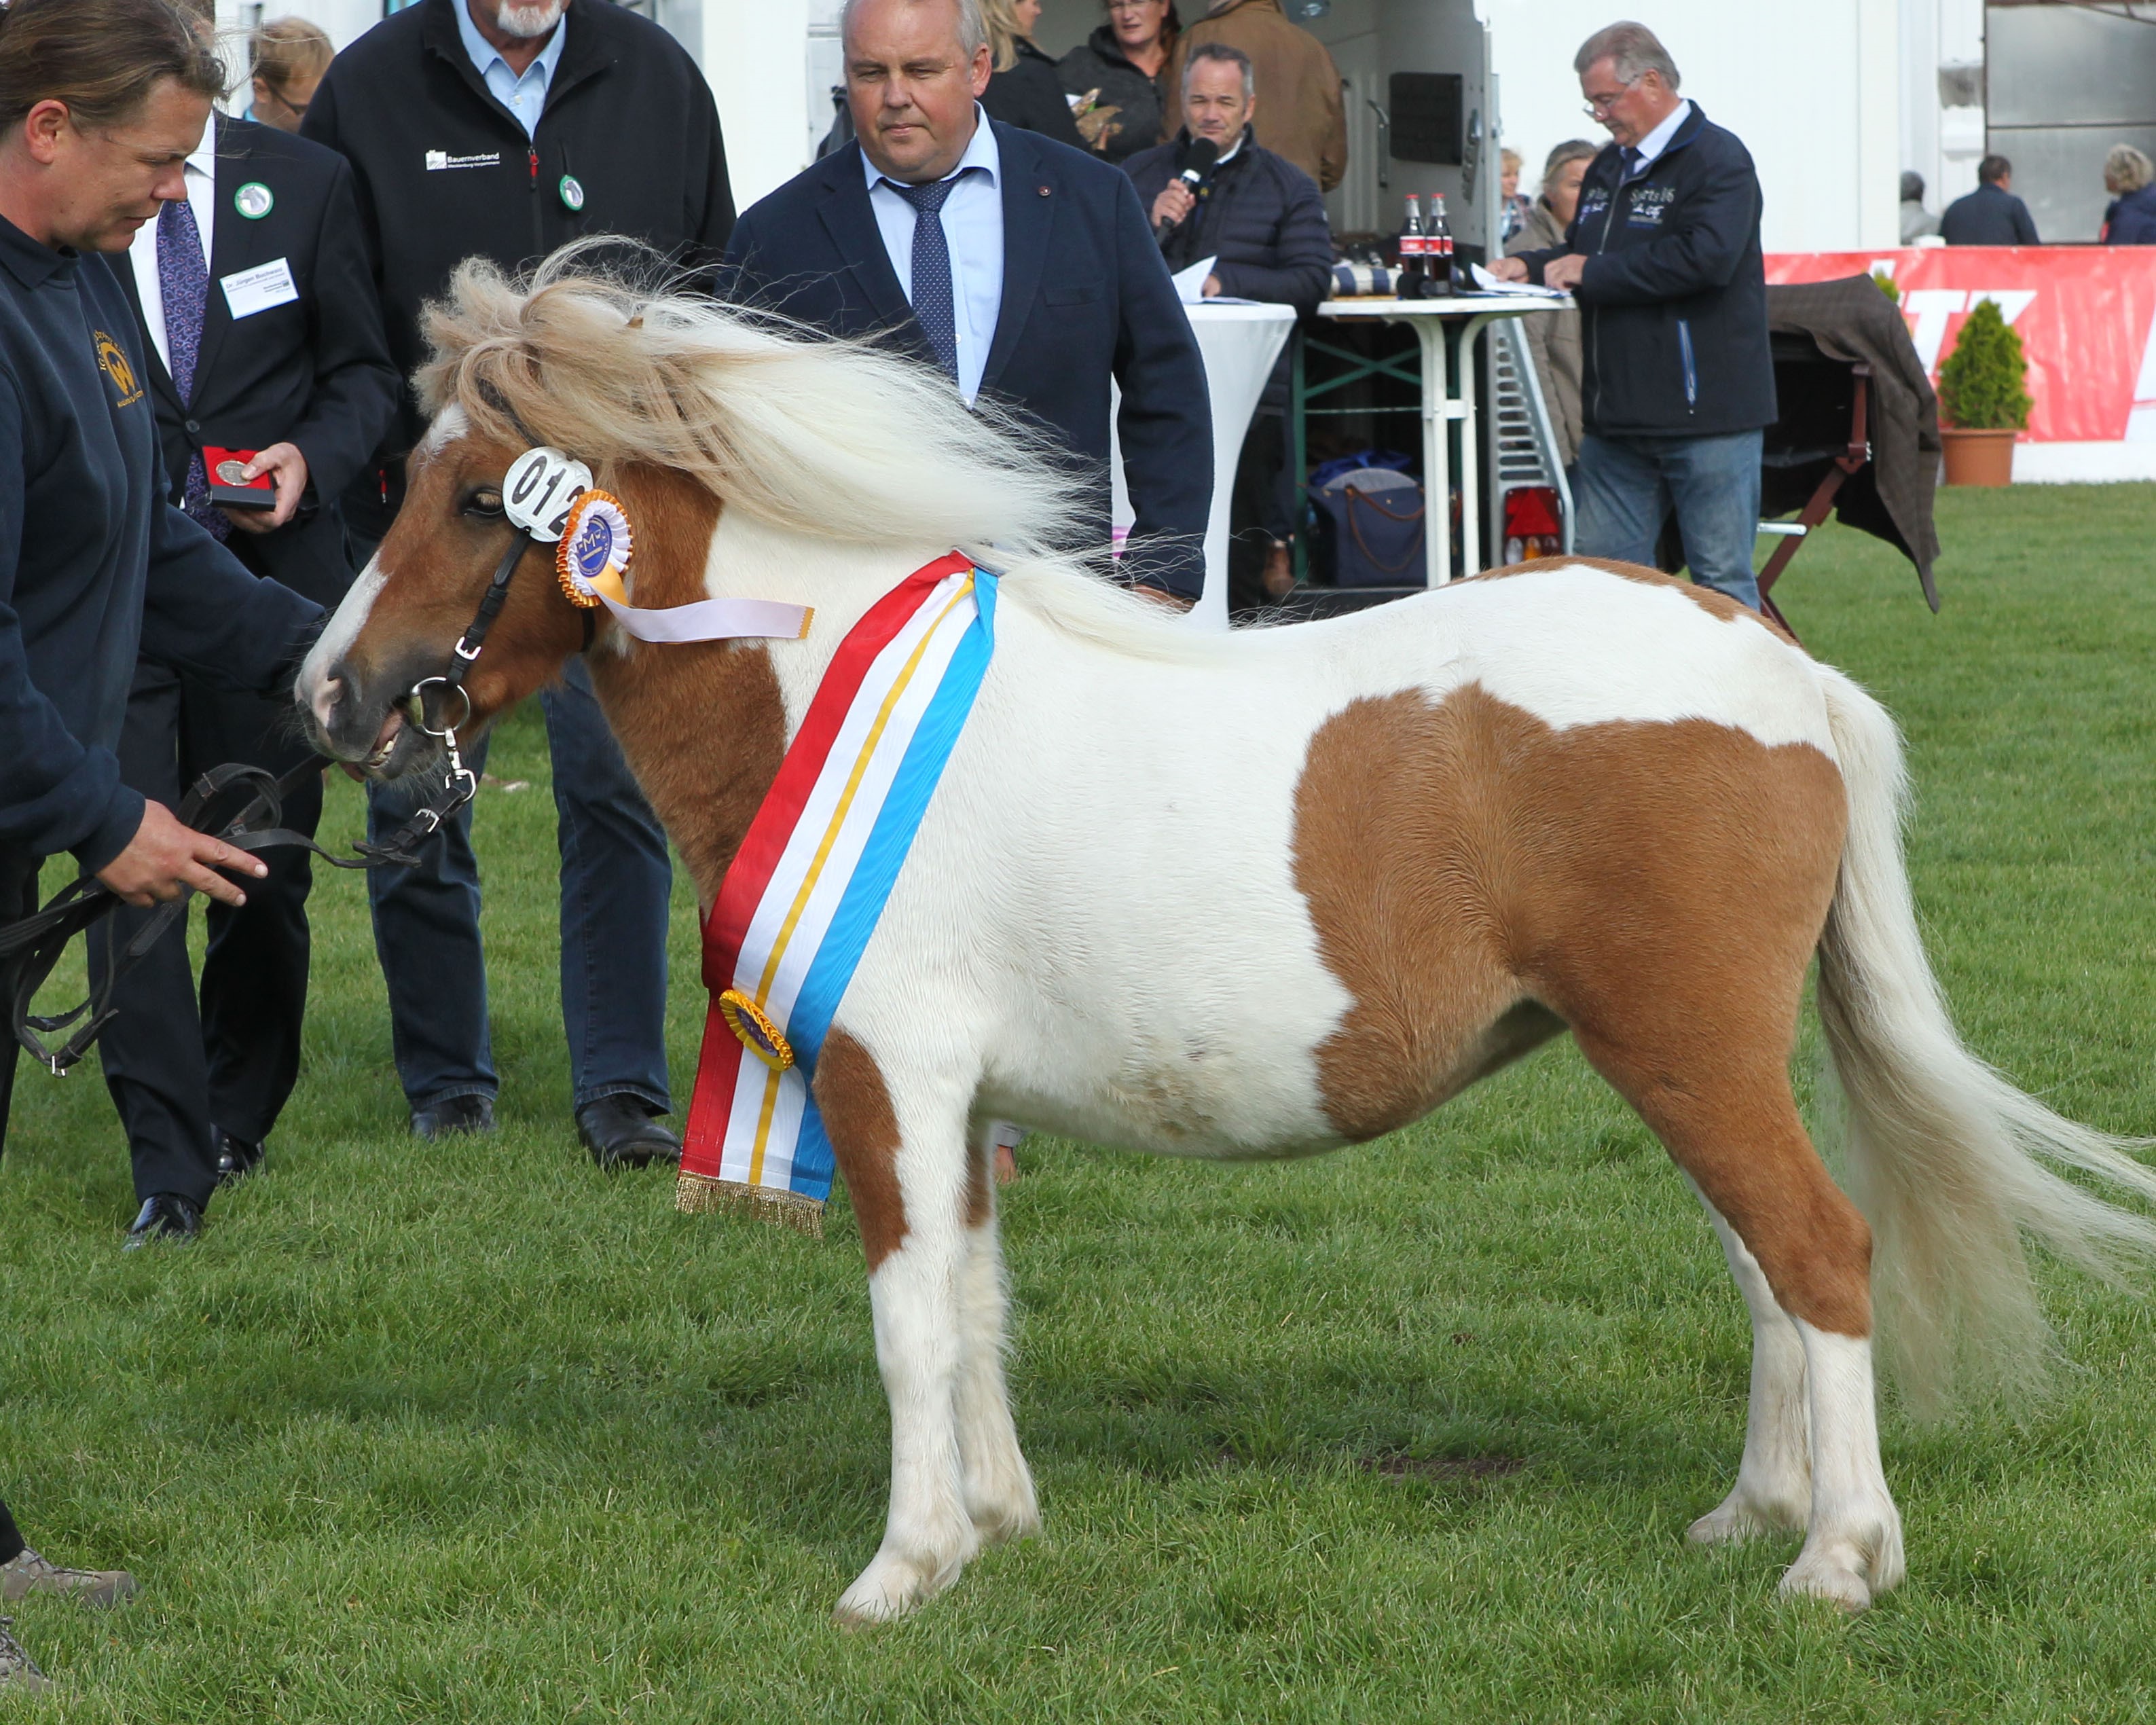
x=1239, y=344
x=1448, y=398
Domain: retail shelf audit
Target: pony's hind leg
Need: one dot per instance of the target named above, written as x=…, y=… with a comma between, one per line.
x=999, y=1485
x=1774, y=1488
x=1721, y=1106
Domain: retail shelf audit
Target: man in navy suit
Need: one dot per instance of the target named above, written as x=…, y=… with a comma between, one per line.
x=1025, y=269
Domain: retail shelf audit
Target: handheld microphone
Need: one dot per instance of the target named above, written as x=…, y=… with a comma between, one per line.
x=1197, y=162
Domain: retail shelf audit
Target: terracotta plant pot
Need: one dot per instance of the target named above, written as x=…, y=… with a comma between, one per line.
x=1978, y=457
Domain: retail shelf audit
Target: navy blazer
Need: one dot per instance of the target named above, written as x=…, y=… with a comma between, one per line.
x=1086, y=298
x=314, y=373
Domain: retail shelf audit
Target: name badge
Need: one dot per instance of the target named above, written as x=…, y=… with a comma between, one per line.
x=259, y=288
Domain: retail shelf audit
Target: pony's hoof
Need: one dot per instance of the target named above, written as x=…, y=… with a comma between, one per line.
x=1739, y=1519
x=1006, y=1522
x=1004, y=1507
x=1820, y=1578
x=893, y=1587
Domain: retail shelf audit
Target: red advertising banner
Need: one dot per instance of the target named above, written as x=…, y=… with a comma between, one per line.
x=2085, y=315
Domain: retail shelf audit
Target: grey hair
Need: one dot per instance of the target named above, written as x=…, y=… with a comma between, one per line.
x=2126, y=169
x=1633, y=51
x=973, y=28
x=1228, y=55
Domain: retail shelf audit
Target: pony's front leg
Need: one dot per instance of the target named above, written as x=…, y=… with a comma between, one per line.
x=903, y=1155
x=999, y=1485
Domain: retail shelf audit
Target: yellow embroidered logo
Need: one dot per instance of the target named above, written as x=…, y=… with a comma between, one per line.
x=112, y=360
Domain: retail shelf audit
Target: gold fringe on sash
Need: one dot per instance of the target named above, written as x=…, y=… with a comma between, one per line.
x=696, y=1194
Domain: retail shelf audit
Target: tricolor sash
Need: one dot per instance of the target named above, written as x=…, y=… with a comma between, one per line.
x=810, y=881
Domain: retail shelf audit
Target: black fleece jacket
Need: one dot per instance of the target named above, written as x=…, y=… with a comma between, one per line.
x=1674, y=291
x=629, y=144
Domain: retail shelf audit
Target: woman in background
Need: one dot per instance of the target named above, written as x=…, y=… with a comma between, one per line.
x=1024, y=90
x=1512, y=207
x=288, y=56
x=1116, y=73
x=2131, y=220
x=1554, y=336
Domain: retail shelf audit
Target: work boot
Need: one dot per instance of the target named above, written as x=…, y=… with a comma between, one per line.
x=30, y=1573
x=17, y=1670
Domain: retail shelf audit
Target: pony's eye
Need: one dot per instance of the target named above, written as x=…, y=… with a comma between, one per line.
x=484, y=503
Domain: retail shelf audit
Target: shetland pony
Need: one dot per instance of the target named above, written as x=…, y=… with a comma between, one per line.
x=1259, y=894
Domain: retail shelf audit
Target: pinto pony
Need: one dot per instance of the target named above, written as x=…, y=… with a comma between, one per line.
x=1258, y=894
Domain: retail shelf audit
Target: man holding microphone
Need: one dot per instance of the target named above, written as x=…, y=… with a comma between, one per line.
x=102, y=102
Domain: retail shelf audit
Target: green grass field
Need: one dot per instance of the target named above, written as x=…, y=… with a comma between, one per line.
x=472, y=1432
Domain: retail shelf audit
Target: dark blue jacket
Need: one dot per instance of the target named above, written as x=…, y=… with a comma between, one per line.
x=1674, y=297
x=1086, y=299
x=1990, y=215
x=2131, y=220
x=1261, y=217
x=96, y=563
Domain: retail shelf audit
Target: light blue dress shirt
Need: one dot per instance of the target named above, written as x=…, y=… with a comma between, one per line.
x=972, y=218
x=525, y=97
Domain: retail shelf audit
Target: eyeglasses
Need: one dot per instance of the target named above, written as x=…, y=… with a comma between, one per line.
x=1598, y=106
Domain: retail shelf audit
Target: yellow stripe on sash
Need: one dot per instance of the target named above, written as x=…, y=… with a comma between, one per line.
x=822, y=855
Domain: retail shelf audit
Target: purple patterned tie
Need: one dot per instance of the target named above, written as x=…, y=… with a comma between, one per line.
x=183, y=283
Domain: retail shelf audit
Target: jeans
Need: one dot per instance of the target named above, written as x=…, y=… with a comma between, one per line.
x=1627, y=485
x=616, y=881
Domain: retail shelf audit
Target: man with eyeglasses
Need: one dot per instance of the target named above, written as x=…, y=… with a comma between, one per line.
x=1664, y=257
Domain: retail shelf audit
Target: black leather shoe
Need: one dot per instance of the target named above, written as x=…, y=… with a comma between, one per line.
x=237, y=1158
x=458, y=1114
x=166, y=1217
x=620, y=1133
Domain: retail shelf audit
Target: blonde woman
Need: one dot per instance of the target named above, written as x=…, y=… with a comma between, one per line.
x=2131, y=220
x=1025, y=90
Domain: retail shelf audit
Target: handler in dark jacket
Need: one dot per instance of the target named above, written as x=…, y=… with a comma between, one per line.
x=262, y=335
x=1261, y=219
x=499, y=130
x=1990, y=215
x=1663, y=254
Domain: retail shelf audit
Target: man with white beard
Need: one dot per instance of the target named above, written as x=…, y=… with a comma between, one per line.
x=491, y=129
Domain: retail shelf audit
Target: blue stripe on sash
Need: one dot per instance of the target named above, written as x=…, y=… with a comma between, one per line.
x=860, y=907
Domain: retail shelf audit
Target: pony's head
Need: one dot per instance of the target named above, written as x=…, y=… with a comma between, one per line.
x=680, y=406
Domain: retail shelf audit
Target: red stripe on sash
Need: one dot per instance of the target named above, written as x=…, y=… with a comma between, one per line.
x=718, y=1067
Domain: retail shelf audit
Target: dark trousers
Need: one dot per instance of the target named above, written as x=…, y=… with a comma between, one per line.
x=1261, y=509
x=178, y=1070
x=18, y=898
x=616, y=882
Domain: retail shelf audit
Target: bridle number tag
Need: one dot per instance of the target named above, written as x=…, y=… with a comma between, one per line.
x=539, y=489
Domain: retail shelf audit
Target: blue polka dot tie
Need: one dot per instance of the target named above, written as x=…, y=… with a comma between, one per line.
x=933, y=302
x=183, y=284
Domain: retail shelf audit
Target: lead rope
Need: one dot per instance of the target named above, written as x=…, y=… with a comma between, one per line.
x=30, y=947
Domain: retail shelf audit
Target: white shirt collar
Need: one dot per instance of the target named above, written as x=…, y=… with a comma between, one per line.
x=981, y=153
x=202, y=158
x=1233, y=150
x=1658, y=140
x=484, y=55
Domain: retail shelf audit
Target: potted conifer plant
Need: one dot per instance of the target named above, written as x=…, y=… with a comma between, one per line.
x=1982, y=399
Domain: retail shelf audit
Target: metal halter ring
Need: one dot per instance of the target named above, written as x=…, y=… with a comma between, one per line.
x=418, y=697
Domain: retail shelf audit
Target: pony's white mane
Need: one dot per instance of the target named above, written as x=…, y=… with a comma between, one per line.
x=833, y=439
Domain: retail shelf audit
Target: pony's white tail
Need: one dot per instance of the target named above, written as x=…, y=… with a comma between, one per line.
x=1945, y=1157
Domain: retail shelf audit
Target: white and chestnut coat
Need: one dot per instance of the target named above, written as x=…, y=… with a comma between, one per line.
x=1259, y=894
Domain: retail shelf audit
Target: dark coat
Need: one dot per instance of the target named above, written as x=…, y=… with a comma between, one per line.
x=1086, y=299
x=1674, y=291
x=1031, y=97
x=2131, y=220
x=443, y=172
x=314, y=373
x=1099, y=63
x=1261, y=218
x=1988, y=216
x=95, y=565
